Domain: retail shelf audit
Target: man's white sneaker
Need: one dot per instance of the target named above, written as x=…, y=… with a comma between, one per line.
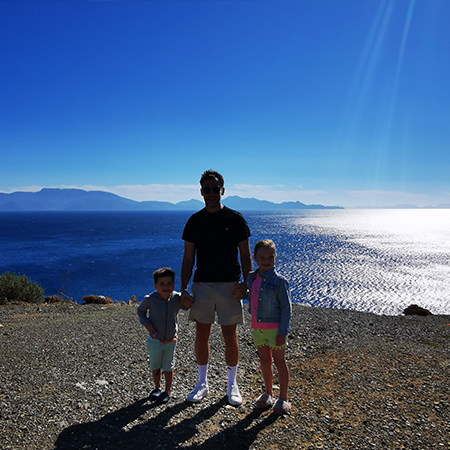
x=200, y=391
x=234, y=397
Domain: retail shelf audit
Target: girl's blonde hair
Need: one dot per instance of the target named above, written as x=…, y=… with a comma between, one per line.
x=265, y=243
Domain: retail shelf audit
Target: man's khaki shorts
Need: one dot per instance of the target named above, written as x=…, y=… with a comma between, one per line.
x=210, y=298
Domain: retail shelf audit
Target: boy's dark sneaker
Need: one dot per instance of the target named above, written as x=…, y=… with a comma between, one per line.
x=155, y=394
x=164, y=398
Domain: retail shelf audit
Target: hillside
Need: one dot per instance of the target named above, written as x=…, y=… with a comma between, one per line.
x=81, y=200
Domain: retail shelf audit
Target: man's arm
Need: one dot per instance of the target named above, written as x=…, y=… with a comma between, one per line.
x=240, y=289
x=188, y=264
x=246, y=258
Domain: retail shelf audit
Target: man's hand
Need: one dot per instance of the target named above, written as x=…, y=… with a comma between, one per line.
x=239, y=290
x=186, y=299
x=150, y=328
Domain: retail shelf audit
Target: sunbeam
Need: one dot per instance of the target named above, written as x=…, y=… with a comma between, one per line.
x=384, y=146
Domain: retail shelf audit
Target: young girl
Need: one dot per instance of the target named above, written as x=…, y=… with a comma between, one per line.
x=271, y=308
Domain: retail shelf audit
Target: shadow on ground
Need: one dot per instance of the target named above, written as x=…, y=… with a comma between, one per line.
x=114, y=431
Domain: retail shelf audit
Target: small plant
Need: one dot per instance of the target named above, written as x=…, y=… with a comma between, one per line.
x=62, y=293
x=52, y=299
x=18, y=288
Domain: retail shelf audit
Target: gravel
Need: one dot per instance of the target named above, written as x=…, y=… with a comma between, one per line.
x=77, y=377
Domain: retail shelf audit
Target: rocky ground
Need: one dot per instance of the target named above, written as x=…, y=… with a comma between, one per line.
x=76, y=377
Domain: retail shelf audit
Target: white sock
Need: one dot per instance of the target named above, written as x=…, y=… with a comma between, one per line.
x=232, y=370
x=203, y=374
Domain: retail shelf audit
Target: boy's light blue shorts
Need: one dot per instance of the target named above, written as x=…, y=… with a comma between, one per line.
x=161, y=355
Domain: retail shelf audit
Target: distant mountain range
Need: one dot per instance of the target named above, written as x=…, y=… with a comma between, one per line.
x=80, y=200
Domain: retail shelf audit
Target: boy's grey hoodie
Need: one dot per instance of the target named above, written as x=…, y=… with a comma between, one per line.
x=161, y=314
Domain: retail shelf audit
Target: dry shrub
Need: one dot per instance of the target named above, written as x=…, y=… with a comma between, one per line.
x=98, y=299
x=54, y=299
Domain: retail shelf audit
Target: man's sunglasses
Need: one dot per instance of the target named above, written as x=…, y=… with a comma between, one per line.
x=215, y=189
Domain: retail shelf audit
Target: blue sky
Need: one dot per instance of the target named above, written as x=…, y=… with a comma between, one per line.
x=339, y=102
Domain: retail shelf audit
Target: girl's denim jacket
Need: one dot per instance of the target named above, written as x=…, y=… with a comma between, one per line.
x=274, y=299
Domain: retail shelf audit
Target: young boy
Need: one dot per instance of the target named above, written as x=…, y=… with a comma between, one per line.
x=159, y=314
x=271, y=308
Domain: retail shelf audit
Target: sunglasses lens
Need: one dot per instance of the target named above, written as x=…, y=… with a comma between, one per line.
x=207, y=189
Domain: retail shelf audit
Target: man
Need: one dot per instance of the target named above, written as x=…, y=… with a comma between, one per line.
x=214, y=236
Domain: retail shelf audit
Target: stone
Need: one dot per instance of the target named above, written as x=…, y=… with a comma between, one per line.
x=415, y=310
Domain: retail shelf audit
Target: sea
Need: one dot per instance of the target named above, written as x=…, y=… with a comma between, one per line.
x=379, y=260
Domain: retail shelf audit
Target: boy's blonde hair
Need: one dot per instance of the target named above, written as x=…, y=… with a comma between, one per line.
x=265, y=243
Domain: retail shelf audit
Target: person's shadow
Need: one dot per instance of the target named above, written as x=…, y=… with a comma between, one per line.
x=110, y=432
x=240, y=436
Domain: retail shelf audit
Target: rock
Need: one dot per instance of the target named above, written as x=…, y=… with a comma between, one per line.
x=416, y=311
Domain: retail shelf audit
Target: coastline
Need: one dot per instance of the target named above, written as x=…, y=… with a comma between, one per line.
x=76, y=376
x=338, y=259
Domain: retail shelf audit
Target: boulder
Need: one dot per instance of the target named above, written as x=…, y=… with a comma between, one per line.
x=415, y=310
